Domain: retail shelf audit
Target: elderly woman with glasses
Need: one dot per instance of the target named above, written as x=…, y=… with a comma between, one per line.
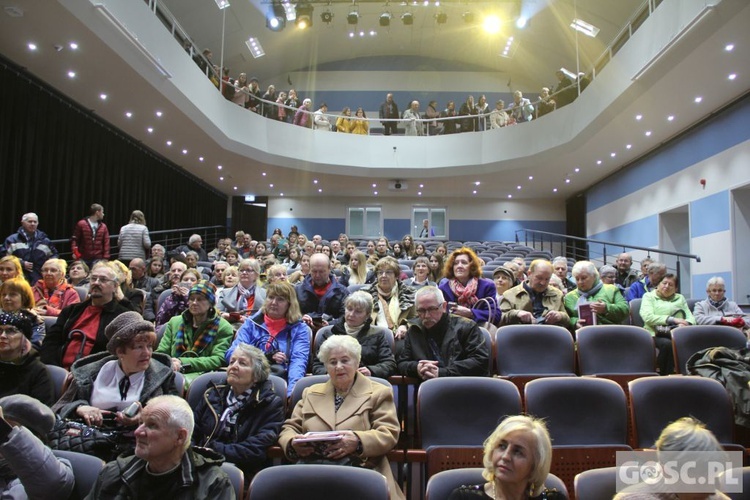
x=377, y=359
x=52, y=293
x=245, y=298
x=242, y=418
x=717, y=309
x=359, y=411
x=279, y=332
x=392, y=301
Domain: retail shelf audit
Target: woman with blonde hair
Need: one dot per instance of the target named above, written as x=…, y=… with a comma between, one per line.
x=357, y=268
x=10, y=267
x=517, y=459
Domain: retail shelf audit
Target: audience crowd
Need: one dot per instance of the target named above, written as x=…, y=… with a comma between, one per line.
x=130, y=334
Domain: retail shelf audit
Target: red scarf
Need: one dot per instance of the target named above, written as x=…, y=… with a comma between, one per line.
x=274, y=326
x=320, y=291
x=466, y=295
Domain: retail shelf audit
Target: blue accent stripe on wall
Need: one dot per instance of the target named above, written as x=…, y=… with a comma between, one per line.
x=643, y=233
x=728, y=129
x=699, y=284
x=500, y=230
x=395, y=229
x=709, y=215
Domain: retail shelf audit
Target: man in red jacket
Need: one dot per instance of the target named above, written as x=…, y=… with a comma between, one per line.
x=90, y=240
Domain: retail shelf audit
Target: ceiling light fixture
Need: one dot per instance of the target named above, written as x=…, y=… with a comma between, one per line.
x=584, y=27
x=385, y=19
x=407, y=18
x=184, y=151
x=276, y=19
x=732, y=76
x=73, y=46
x=648, y=133
x=255, y=47
x=169, y=143
x=304, y=15
x=510, y=47
x=71, y=74
x=200, y=158
x=638, y=117
x=441, y=17
x=222, y=4
x=698, y=99
x=522, y=22
x=729, y=47
x=128, y=114
x=670, y=118
x=159, y=113
x=491, y=24
x=103, y=97
x=352, y=17
x=31, y=46
x=468, y=17
x=150, y=130
x=326, y=16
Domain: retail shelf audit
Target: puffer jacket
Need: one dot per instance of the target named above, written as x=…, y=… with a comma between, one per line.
x=377, y=354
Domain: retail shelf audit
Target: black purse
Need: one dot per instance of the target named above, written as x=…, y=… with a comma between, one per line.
x=103, y=442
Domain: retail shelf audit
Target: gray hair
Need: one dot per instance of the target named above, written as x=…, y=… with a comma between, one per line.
x=435, y=291
x=345, y=342
x=253, y=263
x=559, y=259
x=193, y=238
x=261, y=367
x=657, y=267
x=159, y=247
x=607, y=269
x=715, y=280
x=29, y=215
x=192, y=253
x=584, y=266
x=360, y=300
x=180, y=414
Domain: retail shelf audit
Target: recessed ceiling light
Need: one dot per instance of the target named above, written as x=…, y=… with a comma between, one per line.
x=235, y=188
x=128, y=114
x=577, y=170
x=554, y=190
x=281, y=194
x=628, y=146
x=184, y=151
x=375, y=193
x=219, y=167
x=474, y=192
x=351, y=35
x=221, y=178
x=729, y=47
x=531, y=177
x=476, y=183
x=638, y=117
x=373, y=33
x=510, y=196
x=315, y=181
x=169, y=143
x=598, y=162
x=103, y=97
x=421, y=185
x=31, y=46
x=567, y=181
x=361, y=33
x=519, y=187
x=612, y=154
x=320, y=190
x=732, y=76
x=159, y=113
x=670, y=118
x=73, y=46
x=698, y=99
x=263, y=174
x=71, y=74
x=200, y=158
x=270, y=185
x=150, y=130
x=648, y=133
x=374, y=185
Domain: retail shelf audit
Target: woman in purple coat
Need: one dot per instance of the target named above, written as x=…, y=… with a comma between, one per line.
x=468, y=294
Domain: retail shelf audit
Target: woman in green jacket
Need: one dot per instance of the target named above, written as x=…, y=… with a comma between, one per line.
x=606, y=300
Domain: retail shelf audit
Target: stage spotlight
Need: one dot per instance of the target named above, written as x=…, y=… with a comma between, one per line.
x=521, y=22
x=441, y=17
x=304, y=15
x=468, y=17
x=276, y=19
x=353, y=17
x=385, y=19
x=326, y=16
x=407, y=18
x=492, y=24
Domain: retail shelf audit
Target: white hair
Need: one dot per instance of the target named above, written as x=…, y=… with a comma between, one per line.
x=27, y=216
x=345, y=342
x=715, y=280
x=180, y=414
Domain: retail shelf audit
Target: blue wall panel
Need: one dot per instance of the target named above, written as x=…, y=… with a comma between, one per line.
x=725, y=131
x=500, y=230
x=709, y=215
x=699, y=285
x=395, y=229
x=643, y=233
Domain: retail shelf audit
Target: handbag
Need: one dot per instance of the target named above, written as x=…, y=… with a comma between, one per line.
x=103, y=442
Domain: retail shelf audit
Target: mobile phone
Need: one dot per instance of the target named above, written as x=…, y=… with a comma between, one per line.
x=132, y=410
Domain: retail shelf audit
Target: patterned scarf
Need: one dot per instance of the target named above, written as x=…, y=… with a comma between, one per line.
x=389, y=305
x=52, y=297
x=243, y=295
x=718, y=305
x=204, y=333
x=466, y=295
x=235, y=404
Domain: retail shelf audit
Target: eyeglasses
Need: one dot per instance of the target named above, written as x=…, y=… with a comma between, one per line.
x=247, y=271
x=10, y=331
x=385, y=273
x=99, y=279
x=428, y=310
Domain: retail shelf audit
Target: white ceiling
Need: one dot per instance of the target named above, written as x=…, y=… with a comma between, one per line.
x=698, y=66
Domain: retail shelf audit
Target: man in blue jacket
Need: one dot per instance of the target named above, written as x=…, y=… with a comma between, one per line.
x=31, y=246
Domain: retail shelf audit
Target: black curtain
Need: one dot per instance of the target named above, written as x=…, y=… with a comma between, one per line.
x=57, y=158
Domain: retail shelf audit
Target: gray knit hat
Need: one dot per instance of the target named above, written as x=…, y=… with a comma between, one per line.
x=123, y=329
x=28, y=412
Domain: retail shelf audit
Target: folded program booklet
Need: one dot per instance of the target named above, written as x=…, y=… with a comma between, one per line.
x=314, y=437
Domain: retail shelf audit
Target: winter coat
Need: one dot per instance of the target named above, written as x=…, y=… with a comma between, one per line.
x=377, y=353
x=133, y=241
x=29, y=377
x=88, y=246
x=331, y=305
x=36, y=249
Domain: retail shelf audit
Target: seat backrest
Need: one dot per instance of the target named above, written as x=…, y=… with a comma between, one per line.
x=743, y=474
x=332, y=482
x=534, y=349
x=615, y=349
x=463, y=410
x=179, y=383
x=596, y=484
x=657, y=401
x=579, y=410
x=691, y=304
x=237, y=477
x=319, y=337
x=354, y=288
x=687, y=340
x=58, y=375
x=201, y=383
x=82, y=292
x=488, y=343
x=86, y=469
x=635, y=313
x=441, y=485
